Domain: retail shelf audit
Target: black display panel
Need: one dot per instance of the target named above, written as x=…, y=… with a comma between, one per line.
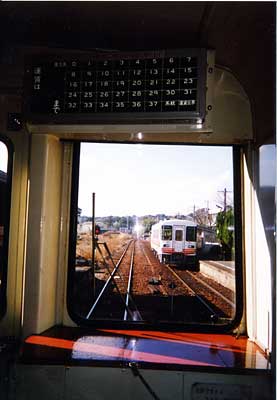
x=141, y=86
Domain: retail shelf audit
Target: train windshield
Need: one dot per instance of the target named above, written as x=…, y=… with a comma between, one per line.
x=167, y=232
x=191, y=234
x=164, y=251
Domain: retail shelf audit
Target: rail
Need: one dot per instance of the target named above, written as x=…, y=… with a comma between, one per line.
x=214, y=316
x=111, y=277
x=129, y=284
x=135, y=314
x=231, y=303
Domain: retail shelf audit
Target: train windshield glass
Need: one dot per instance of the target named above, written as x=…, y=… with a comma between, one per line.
x=163, y=251
x=191, y=234
x=167, y=232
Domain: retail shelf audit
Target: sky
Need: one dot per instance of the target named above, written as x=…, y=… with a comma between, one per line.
x=137, y=179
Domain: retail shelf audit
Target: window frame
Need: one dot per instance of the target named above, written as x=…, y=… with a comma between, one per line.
x=4, y=258
x=237, y=151
x=189, y=228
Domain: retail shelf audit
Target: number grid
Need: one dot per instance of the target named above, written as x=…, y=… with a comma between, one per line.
x=142, y=85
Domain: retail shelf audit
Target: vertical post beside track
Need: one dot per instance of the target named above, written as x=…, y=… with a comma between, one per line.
x=93, y=245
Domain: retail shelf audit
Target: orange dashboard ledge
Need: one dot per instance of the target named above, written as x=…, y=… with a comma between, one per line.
x=150, y=349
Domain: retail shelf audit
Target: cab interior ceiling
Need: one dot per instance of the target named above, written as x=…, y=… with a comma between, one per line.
x=242, y=33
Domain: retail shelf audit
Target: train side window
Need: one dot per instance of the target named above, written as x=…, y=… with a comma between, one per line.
x=168, y=252
x=5, y=196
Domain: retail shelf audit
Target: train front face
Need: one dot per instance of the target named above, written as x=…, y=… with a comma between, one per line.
x=178, y=244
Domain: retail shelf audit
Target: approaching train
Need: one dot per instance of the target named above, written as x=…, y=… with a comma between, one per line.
x=156, y=104
x=174, y=241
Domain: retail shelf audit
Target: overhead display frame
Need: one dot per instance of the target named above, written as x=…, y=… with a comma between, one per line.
x=117, y=87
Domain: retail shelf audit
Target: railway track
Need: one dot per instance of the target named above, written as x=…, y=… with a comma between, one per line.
x=124, y=284
x=224, y=304
x=214, y=316
x=211, y=288
x=139, y=288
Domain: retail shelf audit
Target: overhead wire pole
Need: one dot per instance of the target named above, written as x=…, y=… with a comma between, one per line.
x=93, y=244
x=225, y=191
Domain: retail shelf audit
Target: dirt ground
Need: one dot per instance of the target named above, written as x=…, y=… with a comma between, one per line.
x=114, y=240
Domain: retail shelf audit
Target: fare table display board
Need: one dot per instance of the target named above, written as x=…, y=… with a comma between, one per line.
x=117, y=87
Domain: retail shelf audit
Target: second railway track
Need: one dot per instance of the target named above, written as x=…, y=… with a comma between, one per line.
x=138, y=287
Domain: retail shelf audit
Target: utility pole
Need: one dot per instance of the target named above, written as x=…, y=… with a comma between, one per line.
x=225, y=191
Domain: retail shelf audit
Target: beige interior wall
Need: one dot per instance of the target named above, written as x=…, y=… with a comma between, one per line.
x=43, y=234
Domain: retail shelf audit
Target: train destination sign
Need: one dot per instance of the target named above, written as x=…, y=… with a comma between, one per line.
x=112, y=87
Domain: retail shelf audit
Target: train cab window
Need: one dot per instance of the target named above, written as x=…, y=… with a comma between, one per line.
x=5, y=192
x=167, y=232
x=166, y=249
x=191, y=234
